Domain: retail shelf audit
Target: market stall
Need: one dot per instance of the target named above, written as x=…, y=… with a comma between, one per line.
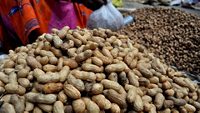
x=147, y=66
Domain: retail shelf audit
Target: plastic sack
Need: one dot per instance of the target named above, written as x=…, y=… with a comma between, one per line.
x=107, y=17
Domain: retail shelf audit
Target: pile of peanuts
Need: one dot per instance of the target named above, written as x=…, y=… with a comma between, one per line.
x=91, y=71
x=171, y=34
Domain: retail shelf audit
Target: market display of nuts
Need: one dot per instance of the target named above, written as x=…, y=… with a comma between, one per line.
x=171, y=34
x=92, y=71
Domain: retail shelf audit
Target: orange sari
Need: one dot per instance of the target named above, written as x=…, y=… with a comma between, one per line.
x=24, y=17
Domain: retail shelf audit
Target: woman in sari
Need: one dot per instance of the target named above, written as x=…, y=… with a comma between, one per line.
x=22, y=21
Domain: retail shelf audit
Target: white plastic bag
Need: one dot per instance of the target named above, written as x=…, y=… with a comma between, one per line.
x=107, y=17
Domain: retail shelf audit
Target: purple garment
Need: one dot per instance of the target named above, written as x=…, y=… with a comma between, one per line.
x=63, y=14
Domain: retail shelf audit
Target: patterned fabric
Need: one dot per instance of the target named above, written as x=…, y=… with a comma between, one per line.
x=22, y=18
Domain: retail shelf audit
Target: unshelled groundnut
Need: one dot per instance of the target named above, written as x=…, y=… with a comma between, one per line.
x=78, y=106
x=93, y=71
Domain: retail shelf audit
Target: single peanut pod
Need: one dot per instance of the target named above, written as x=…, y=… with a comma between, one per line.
x=44, y=60
x=156, y=64
x=133, y=79
x=90, y=45
x=169, y=92
x=47, y=46
x=58, y=107
x=91, y=68
x=154, y=91
x=9, y=64
x=52, y=87
x=78, y=106
x=83, y=56
x=102, y=102
x=49, y=77
x=29, y=106
x=53, y=60
x=72, y=52
x=166, y=85
x=154, y=80
x=114, y=52
x=15, y=89
x=24, y=82
x=64, y=73
x=178, y=102
x=67, y=45
x=7, y=108
x=71, y=63
x=159, y=101
x=39, y=47
x=97, y=88
x=46, y=53
x=115, y=97
x=104, y=59
x=77, y=83
x=23, y=73
x=83, y=75
x=13, y=78
x=22, y=61
x=45, y=107
x=146, y=98
x=49, y=68
x=62, y=97
x=31, y=61
x=190, y=85
x=97, y=61
x=108, y=84
x=56, y=52
x=119, y=67
x=4, y=78
x=168, y=104
x=57, y=41
x=77, y=42
x=190, y=108
x=49, y=37
x=107, y=53
x=115, y=108
x=80, y=37
x=133, y=63
x=138, y=104
x=145, y=72
x=60, y=63
x=131, y=95
x=62, y=33
x=129, y=57
x=143, y=81
x=40, y=98
x=71, y=91
x=91, y=106
x=7, y=71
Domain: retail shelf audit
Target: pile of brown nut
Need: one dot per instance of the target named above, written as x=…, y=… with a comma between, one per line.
x=92, y=71
x=171, y=34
